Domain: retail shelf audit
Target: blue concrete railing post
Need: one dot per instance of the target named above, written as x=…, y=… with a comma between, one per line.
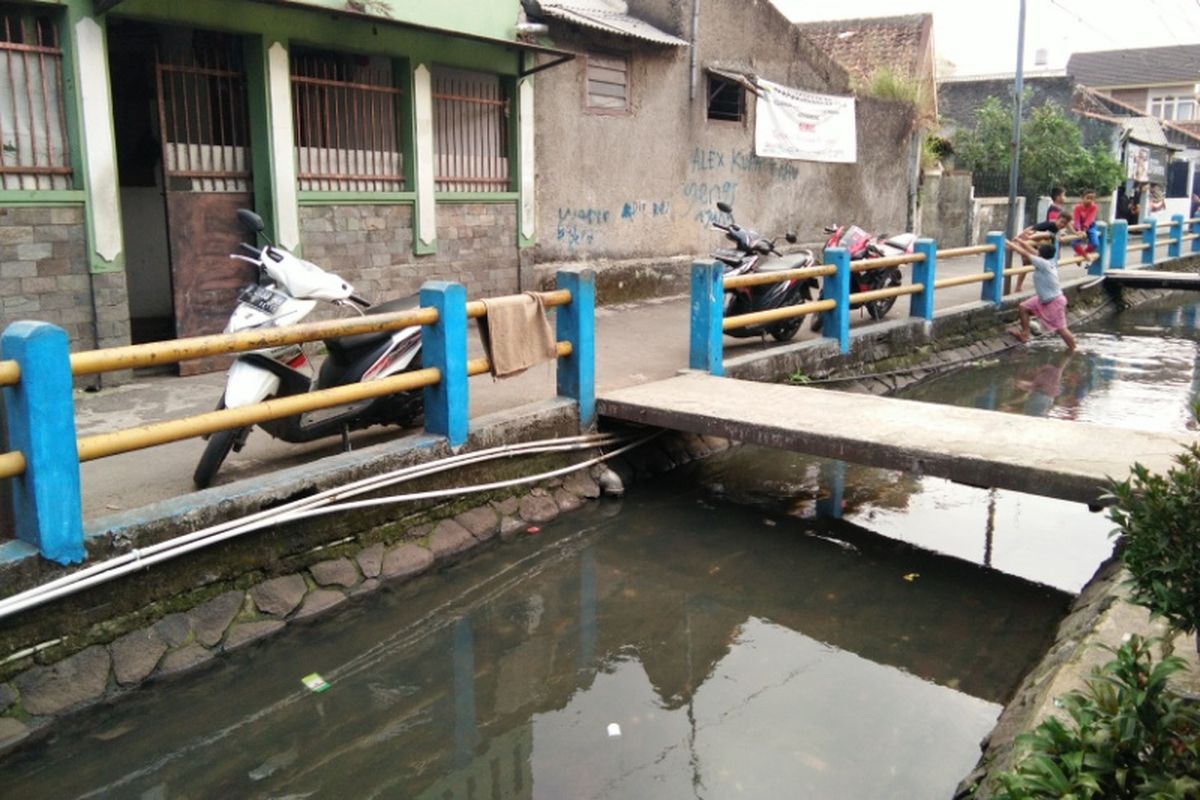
x=1175, y=248
x=444, y=346
x=835, y=324
x=1150, y=237
x=924, y=273
x=708, y=311
x=40, y=415
x=1118, y=248
x=576, y=323
x=992, y=290
x=1098, y=266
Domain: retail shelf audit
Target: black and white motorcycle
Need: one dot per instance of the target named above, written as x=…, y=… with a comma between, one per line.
x=287, y=290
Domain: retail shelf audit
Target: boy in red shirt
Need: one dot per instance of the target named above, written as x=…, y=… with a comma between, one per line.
x=1083, y=220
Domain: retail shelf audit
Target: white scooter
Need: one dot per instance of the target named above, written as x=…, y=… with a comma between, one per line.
x=288, y=289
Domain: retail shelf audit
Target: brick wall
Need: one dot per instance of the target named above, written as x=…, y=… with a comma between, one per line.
x=371, y=246
x=44, y=276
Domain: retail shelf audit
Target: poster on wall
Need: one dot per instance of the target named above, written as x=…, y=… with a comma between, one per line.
x=1144, y=164
x=792, y=123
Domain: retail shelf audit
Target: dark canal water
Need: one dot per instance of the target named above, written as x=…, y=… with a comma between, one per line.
x=760, y=625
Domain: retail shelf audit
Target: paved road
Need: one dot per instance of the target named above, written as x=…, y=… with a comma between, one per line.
x=635, y=344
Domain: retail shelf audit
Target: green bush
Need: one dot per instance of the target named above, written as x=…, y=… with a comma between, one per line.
x=1127, y=737
x=1158, y=526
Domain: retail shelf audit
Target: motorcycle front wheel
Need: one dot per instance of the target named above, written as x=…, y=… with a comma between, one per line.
x=878, y=309
x=215, y=453
x=787, y=330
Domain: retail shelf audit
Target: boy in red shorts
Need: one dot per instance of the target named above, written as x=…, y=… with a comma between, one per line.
x=1048, y=303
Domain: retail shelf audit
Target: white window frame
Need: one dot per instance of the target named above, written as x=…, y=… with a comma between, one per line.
x=1168, y=106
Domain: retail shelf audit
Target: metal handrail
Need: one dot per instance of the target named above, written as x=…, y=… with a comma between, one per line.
x=890, y=291
x=1139, y=227
x=1133, y=248
x=868, y=264
x=762, y=278
x=969, y=250
x=962, y=280
x=12, y=464
x=777, y=314
x=10, y=373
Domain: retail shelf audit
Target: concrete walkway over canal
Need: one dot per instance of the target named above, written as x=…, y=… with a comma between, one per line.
x=1055, y=458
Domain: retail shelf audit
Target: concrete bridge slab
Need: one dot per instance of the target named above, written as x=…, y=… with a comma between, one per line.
x=1054, y=458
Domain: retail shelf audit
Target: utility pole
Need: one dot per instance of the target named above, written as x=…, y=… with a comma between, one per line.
x=1014, y=160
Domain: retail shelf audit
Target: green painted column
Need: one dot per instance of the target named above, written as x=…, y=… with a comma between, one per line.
x=272, y=142
x=88, y=104
x=425, y=211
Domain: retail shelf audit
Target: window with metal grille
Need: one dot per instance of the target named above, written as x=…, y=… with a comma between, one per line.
x=203, y=113
x=726, y=100
x=607, y=83
x=348, y=121
x=34, y=149
x=470, y=128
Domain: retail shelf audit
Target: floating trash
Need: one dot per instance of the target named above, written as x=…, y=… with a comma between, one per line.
x=614, y=730
x=315, y=682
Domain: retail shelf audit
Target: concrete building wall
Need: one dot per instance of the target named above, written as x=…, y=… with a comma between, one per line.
x=370, y=245
x=645, y=184
x=44, y=271
x=946, y=208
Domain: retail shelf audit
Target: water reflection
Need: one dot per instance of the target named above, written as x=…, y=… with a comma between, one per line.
x=741, y=654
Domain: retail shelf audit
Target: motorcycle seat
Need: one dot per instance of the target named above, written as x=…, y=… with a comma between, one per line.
x=343, y=347
x=780, y=263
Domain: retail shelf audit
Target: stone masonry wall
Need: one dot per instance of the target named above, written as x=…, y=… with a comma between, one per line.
x=371, y=246
x=44, y=275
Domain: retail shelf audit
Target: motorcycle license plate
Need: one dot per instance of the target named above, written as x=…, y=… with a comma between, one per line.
x=265, y=300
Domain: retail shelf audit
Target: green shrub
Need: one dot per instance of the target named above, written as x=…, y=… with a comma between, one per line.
x=1127, y=737
x=1158, y=525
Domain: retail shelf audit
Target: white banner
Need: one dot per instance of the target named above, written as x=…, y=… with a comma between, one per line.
x=790, y=123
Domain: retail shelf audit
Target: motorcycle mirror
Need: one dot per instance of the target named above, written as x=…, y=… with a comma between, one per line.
x=723, y=206
x=250, y=222
x=791, y=237
x=830, y=228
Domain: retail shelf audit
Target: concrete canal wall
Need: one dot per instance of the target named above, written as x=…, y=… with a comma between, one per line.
x=102, y=643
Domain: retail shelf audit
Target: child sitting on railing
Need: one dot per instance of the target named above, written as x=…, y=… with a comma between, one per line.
x=1083, y=220
x=1048, y=302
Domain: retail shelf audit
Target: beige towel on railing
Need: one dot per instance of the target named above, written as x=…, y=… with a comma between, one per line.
x=516, y=334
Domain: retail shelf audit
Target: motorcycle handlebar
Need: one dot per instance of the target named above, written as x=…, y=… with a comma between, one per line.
x=249, y=248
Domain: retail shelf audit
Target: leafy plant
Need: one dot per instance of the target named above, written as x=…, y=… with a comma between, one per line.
x=888, y=83
x=1052, y=152
x=1159, y=530
x=798, y=377
x=1127, y=736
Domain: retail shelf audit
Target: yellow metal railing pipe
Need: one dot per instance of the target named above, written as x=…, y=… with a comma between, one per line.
x=155, y=353
x=124, y=441
x=890, y=261
x=1017, y=271
x=883, y=294
x=1139, y=228
x=12, y=464
x=776, y=314
x=763, y=278
x=479, y=366
x=1133, y=248
x=971, y=250
x=962, y=280
x=10, y=373
x=1066, y=262
x=558, y=297
x=1187, y=237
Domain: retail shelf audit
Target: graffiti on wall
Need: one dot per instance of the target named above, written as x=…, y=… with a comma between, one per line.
x=581, y=227
x=712, y=178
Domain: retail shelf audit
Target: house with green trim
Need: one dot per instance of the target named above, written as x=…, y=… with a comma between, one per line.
x=389, y=141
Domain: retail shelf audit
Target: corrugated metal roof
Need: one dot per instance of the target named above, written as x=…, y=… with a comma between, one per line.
x=1146, y=130
x=608, y=16
x=1139, y=66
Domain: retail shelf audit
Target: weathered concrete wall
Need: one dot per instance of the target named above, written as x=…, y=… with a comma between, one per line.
x=630, y=186
x=370, y=245
x=946, y=208
x=990, y=214
x=44, y=274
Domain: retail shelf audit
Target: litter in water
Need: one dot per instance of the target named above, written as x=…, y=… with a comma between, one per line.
x=315, y=682
x=614, y=729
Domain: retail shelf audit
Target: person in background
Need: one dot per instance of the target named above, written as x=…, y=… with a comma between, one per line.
x=1195, y=212
x=1158, y=201
x=1057, y=196
x=1052, y=226
x=1048, y=302
x=1083, y=220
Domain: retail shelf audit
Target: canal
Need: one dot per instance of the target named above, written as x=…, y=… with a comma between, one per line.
x=760, y=625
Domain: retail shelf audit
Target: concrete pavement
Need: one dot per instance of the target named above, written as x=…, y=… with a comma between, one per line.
x=636, y=343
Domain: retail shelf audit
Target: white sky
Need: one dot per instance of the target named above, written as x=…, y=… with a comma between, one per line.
x=980, y=36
